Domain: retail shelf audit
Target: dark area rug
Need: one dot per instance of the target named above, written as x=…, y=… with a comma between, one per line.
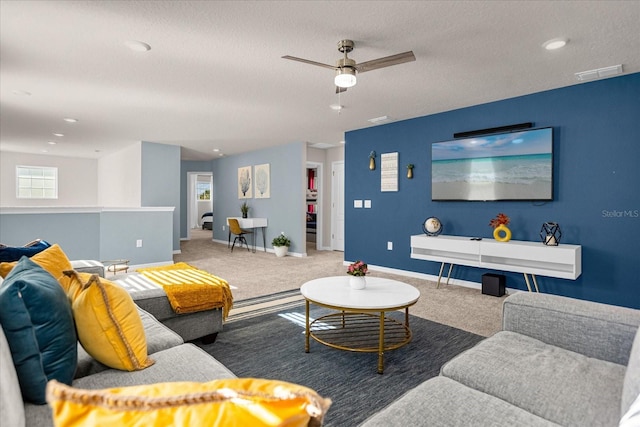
x=272, y=346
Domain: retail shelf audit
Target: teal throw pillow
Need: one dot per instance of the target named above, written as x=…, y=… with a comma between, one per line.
x=36, y=317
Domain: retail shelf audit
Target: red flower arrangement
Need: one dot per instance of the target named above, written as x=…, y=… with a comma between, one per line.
x=358, y=268
x=501, y=219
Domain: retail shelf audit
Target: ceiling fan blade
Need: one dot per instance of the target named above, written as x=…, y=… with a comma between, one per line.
x=306, y=61
x=340, y=89
x=387, y=61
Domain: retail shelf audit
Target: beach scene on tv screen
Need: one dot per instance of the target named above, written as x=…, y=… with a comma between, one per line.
x=513, y=166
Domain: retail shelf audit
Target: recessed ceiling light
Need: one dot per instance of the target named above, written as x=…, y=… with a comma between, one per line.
x=137, y=46
x=51, y=142
x=44, y=151
x=342, y=142
x=59, y=135
x=336, y=107
x=215, y=150
x=70, y=120
x=554, y=44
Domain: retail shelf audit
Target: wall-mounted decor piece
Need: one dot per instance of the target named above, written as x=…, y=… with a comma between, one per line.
x=262, y=181
x=372, y=160
x=410, y=171
x=389, y=172
x=244, y=183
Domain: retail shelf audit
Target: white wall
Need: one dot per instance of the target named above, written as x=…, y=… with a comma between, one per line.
x=120, y=178
x=332, y=155
x=77, y=180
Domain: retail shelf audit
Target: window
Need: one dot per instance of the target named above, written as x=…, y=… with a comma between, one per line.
x=36, y=182
x=203, y=191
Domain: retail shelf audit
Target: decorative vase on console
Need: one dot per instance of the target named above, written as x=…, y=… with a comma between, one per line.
x=550, y=233
x=357, y=271
x=501, y=232
x=244, y=208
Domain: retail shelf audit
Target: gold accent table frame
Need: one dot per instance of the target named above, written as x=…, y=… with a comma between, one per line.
x=360, y=323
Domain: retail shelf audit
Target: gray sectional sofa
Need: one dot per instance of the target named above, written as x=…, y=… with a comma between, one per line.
x=190, y=326
x=174, y=361
x=557, y=361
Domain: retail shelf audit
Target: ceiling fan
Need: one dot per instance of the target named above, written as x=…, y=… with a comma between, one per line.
x=346, y=68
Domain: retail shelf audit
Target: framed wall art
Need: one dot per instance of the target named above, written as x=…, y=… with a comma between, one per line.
x=244, y=183
x=262, y=181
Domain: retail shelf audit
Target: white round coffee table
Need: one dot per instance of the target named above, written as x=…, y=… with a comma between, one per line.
x=359, y=324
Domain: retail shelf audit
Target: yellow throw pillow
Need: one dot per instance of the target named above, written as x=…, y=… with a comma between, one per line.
x=52, y=259
x=107, y=320
x=230, y=402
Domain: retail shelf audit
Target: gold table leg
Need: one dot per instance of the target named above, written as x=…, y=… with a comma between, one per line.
x=307, y=331
x=381, y=345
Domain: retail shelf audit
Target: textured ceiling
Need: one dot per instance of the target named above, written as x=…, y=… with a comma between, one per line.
x=214, y=77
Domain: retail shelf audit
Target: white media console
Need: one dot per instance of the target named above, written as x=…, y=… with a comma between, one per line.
x=563, y=261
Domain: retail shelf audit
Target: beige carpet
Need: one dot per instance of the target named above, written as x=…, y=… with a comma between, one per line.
x=260, y=273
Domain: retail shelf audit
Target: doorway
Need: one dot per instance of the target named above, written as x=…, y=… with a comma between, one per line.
x=199, y=202
x=313, y=210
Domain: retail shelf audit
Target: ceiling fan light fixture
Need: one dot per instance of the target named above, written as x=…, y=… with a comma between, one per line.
x=554, y=44
x=345, y=77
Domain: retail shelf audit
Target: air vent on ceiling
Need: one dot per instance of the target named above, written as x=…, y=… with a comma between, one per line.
x=380, y=120
x=599, y=73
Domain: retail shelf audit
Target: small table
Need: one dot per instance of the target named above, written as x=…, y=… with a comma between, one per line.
x=360, y=323
x=117, y=265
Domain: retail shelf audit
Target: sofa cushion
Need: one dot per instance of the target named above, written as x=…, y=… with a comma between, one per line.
x=159, y=337
x=542, y=379
x=88, y=266
x=11, y=406
x=14, y=253
x=235, y=401
x=108, y=323
x=572, y=324
x=52, y=259
x=38, y=324
x=185, y=362
x=631, y=388
x=443, y=402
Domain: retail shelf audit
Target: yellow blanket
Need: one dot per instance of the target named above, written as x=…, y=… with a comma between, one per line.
x=190, y=289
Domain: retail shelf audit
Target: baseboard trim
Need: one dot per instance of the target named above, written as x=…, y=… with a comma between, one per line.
x=261, y=249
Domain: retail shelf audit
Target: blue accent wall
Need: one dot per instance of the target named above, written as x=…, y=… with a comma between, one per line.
x=596, y=188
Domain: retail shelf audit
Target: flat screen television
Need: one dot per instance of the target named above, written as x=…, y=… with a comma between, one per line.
x=506, y=166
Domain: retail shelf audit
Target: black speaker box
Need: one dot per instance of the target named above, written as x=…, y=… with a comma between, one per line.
x=493, y=284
